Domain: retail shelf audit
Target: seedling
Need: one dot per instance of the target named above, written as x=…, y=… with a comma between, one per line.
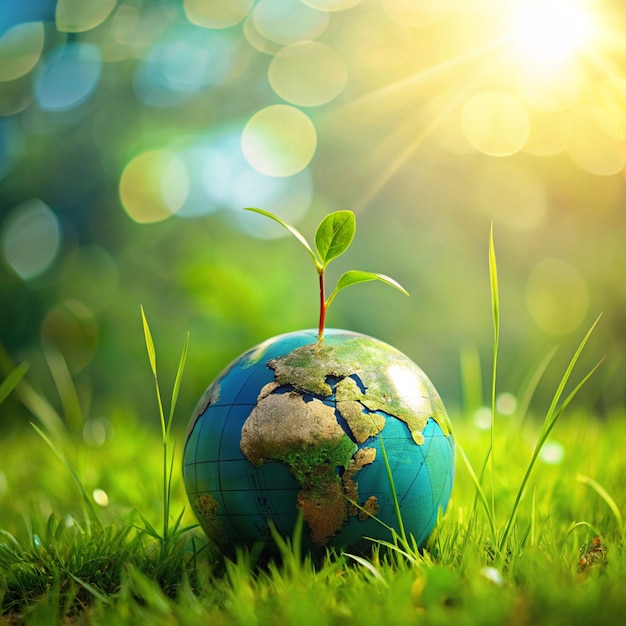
x=332, y=238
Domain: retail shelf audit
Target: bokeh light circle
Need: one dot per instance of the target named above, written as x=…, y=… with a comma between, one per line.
x=556, y=296
x=495, y=123
x=288, y=21
x=188, y=60
x=331, y=5
x=20, y=50
x=72, y=328
x=613, y=97
x=417, y=13
x=75, y=16
x=289, y=198
x=217, y=13
x=279, y=140
x=308, y=73
x=547, y=92
x=222, y=179
x=68, y=76
x=595, y=140
x=547, y=136
x=153, y=186
x=31, y=238
x=258, y=40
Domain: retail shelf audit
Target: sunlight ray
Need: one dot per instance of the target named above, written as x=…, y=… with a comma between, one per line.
x=396, y=164
x=422, y=78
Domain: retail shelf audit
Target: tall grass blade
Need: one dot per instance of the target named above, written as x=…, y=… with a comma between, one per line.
x=31, y=399
x=149, y=342
x=551, y=418
x=12, y=381
x=177, y=381
x=166, y=426
x=604, y=494
x=495, y=310
x=369, y=566
x=493, y=281
x=152, y=359
x=65, y=388
x=531, y=382
x=480, y=492
x=91, y=515
x=396, y=502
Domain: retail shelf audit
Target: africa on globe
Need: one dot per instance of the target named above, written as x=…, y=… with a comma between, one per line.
x=331, y=427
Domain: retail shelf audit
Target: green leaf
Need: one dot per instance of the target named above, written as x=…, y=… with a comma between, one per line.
x=354, y=277
x=149, y=342
x=334, y=235
x=177, y=381
x=295, y=232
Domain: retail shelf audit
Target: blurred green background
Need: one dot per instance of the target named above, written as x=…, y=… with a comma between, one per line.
x=133, y=132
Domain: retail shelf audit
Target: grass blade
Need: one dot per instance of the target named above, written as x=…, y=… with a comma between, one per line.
x=96, y=593
x=152, y=359
x=91, y=516
x=493, y=281
x=65, y=388
x=369, y=566
x=604, y=494
x=551, y=418
x=177, y=381
x=12, y=381
x=495, y=310
x=394, y=495
x=480, y=492
x=42, y=410
x=531, y=382
x=32, y=399
x=149, y=342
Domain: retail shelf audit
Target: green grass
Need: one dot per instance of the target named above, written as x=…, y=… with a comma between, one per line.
x=95, y=529
x=53, y=569
x=57, y=565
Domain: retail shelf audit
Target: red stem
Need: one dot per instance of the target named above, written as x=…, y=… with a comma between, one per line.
x=320, y=328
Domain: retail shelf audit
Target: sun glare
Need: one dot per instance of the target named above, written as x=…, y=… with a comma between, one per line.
x=550, y=32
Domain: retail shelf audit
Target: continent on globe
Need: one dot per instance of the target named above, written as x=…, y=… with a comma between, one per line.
x=319, y=410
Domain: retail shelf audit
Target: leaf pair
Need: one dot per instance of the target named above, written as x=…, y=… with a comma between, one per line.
x=332, y=238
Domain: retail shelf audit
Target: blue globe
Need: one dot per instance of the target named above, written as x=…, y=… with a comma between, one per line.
x=297, y=426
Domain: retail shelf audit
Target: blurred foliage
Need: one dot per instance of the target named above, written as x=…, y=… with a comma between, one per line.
x=133, y=132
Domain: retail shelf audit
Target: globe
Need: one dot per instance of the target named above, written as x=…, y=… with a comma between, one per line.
x=346, y=433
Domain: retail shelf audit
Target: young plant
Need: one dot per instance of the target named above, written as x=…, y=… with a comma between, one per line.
x=332, y=238
x=166, y=429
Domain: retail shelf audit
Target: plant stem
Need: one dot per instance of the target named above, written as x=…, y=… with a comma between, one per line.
x=322, y=322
